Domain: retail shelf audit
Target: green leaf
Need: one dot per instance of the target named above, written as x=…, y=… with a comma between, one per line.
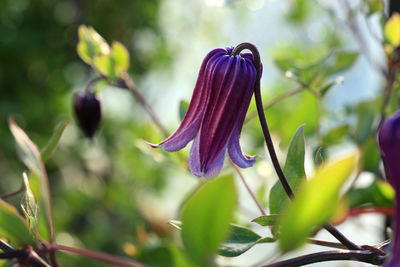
x=206, y=216
x=370, y=157
x=267, y=220
x=90, y=44
x=121, y=57
x=284, y=64
x=293, y=170
x=183, y=107
x=28, y=204
x=374, y=6
x=105, y=65
x=365, y=118
x=392, y=30
x=51, y=146
x=27, y=150
x=335, y=135
x=13, y=226
x=315, y=202
x=377, y=194
x=30, y=155
x=240, y=240
x=343, y=61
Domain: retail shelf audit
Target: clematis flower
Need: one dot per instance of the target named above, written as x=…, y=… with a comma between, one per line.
x=389, y=145
x=216, y=113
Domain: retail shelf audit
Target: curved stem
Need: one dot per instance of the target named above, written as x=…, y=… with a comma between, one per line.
x=257, y=95
x=359, y=255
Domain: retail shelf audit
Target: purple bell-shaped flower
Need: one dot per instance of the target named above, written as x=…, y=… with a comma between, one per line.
x=216, y=113
x=389, y=145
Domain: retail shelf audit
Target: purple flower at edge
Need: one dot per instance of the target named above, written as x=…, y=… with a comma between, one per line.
x=389, y=145
x=216, y=113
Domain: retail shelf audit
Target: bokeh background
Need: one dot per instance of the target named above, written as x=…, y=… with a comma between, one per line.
x=116, y=194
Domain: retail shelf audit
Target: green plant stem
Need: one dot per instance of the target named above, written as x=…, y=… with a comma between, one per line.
x=117, y=261
x=268, y=140
x=367, y=256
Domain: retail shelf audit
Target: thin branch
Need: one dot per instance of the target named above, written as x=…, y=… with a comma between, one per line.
x=325, y=243
x=253, y=196
x=127, y=83
x=119, y=261
x=276, y=100
x=359, y=255
x=6, y=195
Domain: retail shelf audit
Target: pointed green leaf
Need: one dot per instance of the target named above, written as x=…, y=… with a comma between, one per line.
x=90, y=44
x=267, y=220
x=27, y=150
x=335, y=135
x=293, y=170
x=51, y=146
x=13, y=226
x=315, y=202
x=377, y=194
x=240, y=240
x=30, y=155
x=206, y=216
x=392, y=30
x=105, y=65
x=342, y=61
x=28, y=204
x=121, y=57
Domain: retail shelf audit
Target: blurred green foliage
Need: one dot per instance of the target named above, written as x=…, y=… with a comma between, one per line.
x=102, y=191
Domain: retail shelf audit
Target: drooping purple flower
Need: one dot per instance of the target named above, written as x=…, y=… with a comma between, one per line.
x=88, y=112
x=389, y=145
x=216, y=113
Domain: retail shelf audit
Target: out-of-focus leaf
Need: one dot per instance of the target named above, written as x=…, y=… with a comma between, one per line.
x=30, y=155
x=28, y=204
x=167, y=255
x=105, y=65
x=325, y=89
x=370, y=156
x=374, y=6
x=202, y=233
x=51, y=146
x=90, y=44
x=183, y=107
x=267, y=220
x=121, y=57
x=13, y=226
x=365, y=117
x=315, y=202
x=261, y=194
x=27, y=150
x=343, y=61
x=319, y=156
x=392, y=30
x=240, y=240
x=335, y=135
x=293, y=170
x=377, y=194
x=284, y=64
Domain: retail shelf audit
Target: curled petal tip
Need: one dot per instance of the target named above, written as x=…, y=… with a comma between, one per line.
x=151, y=144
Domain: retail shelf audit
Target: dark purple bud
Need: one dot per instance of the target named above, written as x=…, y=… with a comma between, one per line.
x=87, y=112
x=389, y=145
x=216, y=113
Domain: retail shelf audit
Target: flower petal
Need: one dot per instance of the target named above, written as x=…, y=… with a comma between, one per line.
x=229, y=100
x=192, y=119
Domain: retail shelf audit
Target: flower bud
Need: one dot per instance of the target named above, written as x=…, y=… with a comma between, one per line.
x=87, y=112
